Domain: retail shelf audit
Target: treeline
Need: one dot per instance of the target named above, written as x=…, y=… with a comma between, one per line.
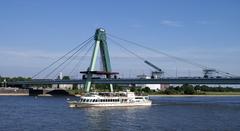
x=178, y=90
x=185, y=89
x=13, y=79
x=198, y=89
x=106, y=87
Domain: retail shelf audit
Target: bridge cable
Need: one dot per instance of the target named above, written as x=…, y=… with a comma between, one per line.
x=81, y=59
x=168, y=55
x=67, y=59
x=72, y=59
x=129, y=51
x=44, y=69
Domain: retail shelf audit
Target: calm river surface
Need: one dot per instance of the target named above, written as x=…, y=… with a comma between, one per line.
x=24, y=113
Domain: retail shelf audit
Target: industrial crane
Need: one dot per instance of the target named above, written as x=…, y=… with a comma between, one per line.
x=155, y=74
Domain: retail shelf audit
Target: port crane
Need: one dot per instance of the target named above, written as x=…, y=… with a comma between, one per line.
x=155, y=74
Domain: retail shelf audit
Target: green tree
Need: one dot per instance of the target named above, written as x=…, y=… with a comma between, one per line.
x=188, y=89
x=146, y=90
x=66, y=78
x=170, y=91
x=132, y=89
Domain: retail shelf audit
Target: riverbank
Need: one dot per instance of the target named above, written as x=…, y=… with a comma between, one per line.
x=213, y=94
x=203, y=94
x=24, y=94
x=195, y=95
x=33, y=92
x=38, y=92
x=14, y=94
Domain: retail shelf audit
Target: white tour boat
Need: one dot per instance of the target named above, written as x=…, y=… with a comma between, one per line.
x=110, y=99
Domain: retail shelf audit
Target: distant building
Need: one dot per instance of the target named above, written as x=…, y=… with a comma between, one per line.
x=62, y=86
x=151, y=86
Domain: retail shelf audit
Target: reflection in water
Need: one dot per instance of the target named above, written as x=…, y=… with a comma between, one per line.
x=100, y=117
x=166, y=113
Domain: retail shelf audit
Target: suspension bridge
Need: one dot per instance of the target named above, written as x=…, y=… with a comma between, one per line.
x=48, y=75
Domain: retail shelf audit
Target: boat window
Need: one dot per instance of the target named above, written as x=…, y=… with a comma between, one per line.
x=138, y=98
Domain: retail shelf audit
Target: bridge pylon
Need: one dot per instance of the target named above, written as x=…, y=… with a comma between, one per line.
x=102, y=49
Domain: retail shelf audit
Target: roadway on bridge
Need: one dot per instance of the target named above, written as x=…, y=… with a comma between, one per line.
x=135, y=81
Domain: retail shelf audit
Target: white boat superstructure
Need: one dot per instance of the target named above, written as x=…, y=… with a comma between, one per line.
x=104, y=99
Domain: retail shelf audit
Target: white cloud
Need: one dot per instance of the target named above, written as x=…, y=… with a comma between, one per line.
x=172, y=23
x=26, y=54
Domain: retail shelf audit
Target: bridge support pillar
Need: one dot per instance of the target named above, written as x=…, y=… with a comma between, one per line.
x=100, y=46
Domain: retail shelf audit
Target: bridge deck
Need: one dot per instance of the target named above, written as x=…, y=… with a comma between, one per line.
x=135, y=81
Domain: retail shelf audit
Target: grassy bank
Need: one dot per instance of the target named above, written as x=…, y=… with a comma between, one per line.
x=222, y=93
x=206, y=94
x=184, y=90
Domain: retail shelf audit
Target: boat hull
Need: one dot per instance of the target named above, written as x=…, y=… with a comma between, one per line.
x=78, y=104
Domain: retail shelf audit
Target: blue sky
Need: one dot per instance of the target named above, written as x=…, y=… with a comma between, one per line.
x=34, y=33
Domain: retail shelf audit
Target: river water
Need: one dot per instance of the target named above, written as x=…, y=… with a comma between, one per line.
x=26, y=113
